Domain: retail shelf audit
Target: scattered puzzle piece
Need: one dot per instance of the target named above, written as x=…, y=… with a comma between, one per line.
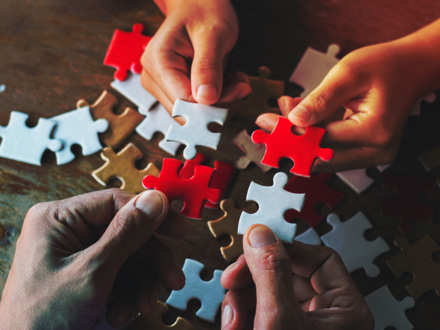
x=24, y=144
x=263, y=90
x=125, y=51
x=122, y=166
x=2, y=88
x=187, y=170
x=210, y=293
x=302, y=149
x=417, y=108
x=430, y=160
x=347, y=238
x=358, y=180
x=387, y=311
x=273, y=201
x=195, y=131
x=313, y=67
x=417, y=259
x=406, y=205
x=253, y=152
x=77, y=127
x=317, y=191
x=120, y=126
x=193, y=192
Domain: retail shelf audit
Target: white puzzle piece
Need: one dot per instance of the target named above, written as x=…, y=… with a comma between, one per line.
x=417, y=108
x=310, y=236
x=209, y=293
x=347, y=239
x=273, y=201
x=195, y=130
x=358, y=180
x=78, y=127
x=24, y=144
x=254, y=152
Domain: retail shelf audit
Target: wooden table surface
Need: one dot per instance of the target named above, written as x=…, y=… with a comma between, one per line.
x=51, y=55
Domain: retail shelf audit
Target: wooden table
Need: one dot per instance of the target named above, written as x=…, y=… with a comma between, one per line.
x=51, y=56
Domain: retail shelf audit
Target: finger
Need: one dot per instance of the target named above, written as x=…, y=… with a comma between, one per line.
x=174, y=225
x=267, y=121
x=287, y=103
x=238, y=308
x=166, y=268
x=147, y=293
x=237, y=275
x=153, y=87
x=236, y=88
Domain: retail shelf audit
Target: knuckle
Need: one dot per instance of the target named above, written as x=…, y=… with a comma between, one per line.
x=274, y=261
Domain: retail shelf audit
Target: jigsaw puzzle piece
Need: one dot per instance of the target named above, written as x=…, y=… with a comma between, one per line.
x=195, y=131
x=252, y=152
x=209, y=293
x=125, y=51
x=122, y=166
x=24, y=144
x=347, y=239
x=273, y=201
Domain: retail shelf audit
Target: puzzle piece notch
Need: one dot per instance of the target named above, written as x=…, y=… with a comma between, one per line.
x=417, y=259
x=24, y=144
x=273, y=201
x=125, y=51
x=120, y=126
x=358, y=179
x=301, y=149
x=195, y=131
x=388, y=311
x=210, y=293
x=193, y=191
x=252, y=152
x=122, y=166
x=347, y=239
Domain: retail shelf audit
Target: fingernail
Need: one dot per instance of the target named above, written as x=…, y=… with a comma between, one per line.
x=207, y=92
x=227, y=316
x=301, y=113
x=151, y=203
x=261, y=236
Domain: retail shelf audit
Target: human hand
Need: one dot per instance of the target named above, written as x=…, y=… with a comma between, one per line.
x=186, y=57
x=70, y=252
x=298, y=286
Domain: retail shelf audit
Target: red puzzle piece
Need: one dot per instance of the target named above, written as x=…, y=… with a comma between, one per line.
x=406, y=205
x=316, y=191
x=125, y=51
x=302, y=149
x=192, y=191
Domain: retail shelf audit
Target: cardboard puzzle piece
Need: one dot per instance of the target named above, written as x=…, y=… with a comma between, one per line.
x=158, y=120
x=317, y=192
x=302, y=149
x=359, y=180
x=195, y=131
x=77, y=127
x=132, y=89
x=347, y=238
x=387, y=311
x=153, y=321
x=406, y=205
x=122, y=166
x=210, y=293
x=193, y=191
x=273, y=201
x=252, y=152
x=417, y=108
x=263, y=90
x=125, y=51
x=417, y=259
x=431, y=160
x=120, y=125
x=24, y=144
x=313, y=67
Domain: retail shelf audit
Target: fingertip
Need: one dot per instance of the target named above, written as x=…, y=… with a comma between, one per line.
x=244, y=91
x=267, y=121
x=259, y=236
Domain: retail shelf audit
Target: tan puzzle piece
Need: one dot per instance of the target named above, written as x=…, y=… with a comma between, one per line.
x=228, y=225
x=119, y=126
x=263, y=90
x=122, y=166
x=153, y=321
x=253, y=152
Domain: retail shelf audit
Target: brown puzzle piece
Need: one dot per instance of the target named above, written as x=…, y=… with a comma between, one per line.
x=119, y=126
x=253, y=152
x=430, y=160
x=417, y=259
x=122, y=166
x=228, y=225
x=263, y=90
x=153, y=321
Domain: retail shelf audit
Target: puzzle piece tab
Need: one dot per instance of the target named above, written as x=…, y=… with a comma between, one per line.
x=122, y=166
x=125, y=51
x=302, y=149
x=24, y=144
x=195, y=131
x=273, y=201
x=252, y=152
x=210, y=293
x=347, y=238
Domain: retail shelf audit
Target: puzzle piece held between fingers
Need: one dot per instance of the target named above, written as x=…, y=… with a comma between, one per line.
x=253, y=152
x=24, y=144
x=195, y=131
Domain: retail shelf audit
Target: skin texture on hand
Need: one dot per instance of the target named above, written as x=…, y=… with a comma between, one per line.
x=75, y=253
x=294, y=287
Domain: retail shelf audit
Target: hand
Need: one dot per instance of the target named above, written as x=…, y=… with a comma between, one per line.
x=186, y=57
x=70, y=252
x=294, y=287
